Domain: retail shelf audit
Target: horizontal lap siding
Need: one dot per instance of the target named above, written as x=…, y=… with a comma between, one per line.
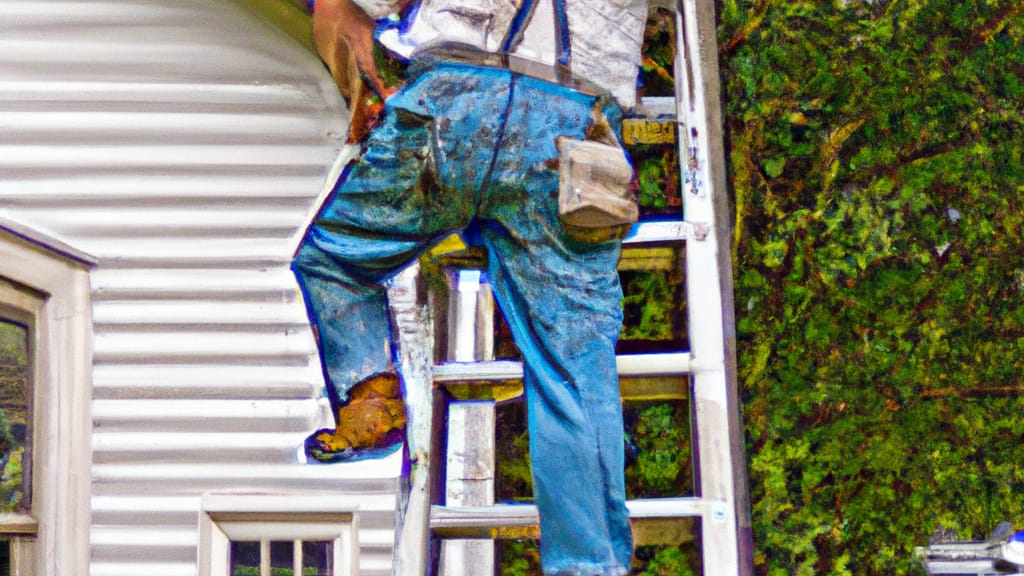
x=183, y=144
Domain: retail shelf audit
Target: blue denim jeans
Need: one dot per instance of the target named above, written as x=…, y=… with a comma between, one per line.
x=468, y=146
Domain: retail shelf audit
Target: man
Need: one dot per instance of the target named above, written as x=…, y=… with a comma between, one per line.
x=470, y=142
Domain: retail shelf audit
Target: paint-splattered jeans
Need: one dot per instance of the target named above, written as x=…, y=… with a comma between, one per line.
x=464, y=145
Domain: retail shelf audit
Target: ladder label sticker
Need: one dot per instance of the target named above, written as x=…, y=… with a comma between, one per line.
x=647, y=131
x=719, y=512
x=668, y=231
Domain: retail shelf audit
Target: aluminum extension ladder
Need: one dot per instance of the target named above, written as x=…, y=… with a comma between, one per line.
x=443, y=397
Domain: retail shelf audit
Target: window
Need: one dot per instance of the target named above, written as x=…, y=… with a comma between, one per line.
x=17, y=525
x=301, y=557
x=277, y=535
x=45, y=396
x=15, y=422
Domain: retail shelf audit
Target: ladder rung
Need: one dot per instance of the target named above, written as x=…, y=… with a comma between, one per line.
x=645, y=365
x=961, y=567
x=648, y=388
x=665, y=231
x=657, y=508
x=514, y=521
x=657, y=106
x=499, y=522
x=491, y=371
x=629, y=365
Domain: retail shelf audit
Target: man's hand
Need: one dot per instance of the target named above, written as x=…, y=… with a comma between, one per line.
x=343, y=34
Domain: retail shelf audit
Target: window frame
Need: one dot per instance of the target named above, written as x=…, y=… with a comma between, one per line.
x=224, y=518
x=19, y=523
x=44, y=285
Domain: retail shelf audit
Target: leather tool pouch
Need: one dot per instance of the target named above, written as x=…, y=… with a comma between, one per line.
x=596, y=200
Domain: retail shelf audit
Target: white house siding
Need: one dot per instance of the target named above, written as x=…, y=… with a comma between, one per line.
x=183, y=143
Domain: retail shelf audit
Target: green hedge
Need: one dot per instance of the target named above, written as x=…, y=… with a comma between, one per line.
x=875, y=153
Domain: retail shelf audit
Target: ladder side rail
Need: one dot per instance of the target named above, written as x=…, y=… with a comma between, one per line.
x=414, y=329
x=465, y=465
x=721, y=465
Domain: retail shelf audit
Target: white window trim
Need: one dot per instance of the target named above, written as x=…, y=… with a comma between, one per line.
x=47, y=283
x=302, y=516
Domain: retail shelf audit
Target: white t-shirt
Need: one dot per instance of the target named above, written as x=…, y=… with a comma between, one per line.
x=605, y=35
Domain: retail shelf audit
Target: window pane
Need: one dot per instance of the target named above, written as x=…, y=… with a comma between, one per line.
x=281, y=558
x=14, y=417
x=245, y=559
x=317, y=558
x=5, y=557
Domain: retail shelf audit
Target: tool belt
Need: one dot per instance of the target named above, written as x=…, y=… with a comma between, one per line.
x=596, y=200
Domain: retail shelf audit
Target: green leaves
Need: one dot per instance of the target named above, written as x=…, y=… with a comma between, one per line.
x=773, y=166
x=877, y=160
x=661, y=435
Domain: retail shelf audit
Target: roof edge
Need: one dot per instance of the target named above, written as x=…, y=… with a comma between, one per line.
x=46, y=241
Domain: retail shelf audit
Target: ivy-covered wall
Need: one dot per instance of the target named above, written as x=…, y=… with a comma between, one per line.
x=875, y=150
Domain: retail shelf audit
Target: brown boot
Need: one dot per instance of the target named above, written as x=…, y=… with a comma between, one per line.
x=370, y=425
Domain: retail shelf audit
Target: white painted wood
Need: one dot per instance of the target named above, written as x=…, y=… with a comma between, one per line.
x=114, y=186
x=154, y=157
x=107, y=412
x=299, y=528
x=263, y=517
x=144, y=538
x=166, y=122
x=23, y=556
x=360, y=477
x=126, y=381
x=48, y=290
x=185, y=145
x=183, y=510
x=285, y=347
x=180, y=250
x=143, y=543
x=212, y=314
x=141, y=284
x=125, y=219
x=39, y=239
x=346, y=550
x=175, y=446
x=153, y=568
